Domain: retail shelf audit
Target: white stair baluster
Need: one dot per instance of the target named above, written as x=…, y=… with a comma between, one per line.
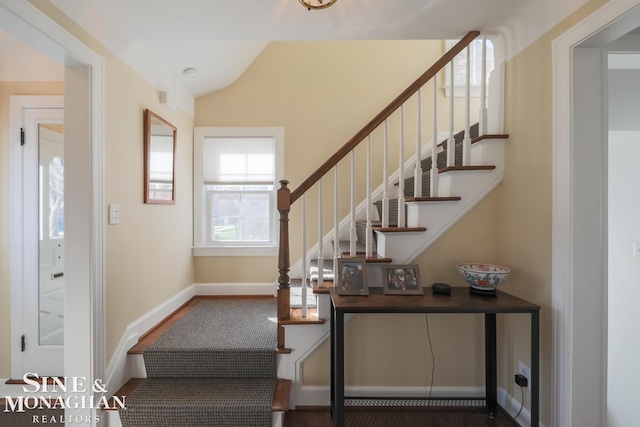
x=434, y=146
x=466, y=144
x=304, y=256
x=353, y=238
x=401, y=201
x=483, y=90
x=320, y=236
x=451, y=143
x=369, y=230
x=417, y=175
x=385, y=177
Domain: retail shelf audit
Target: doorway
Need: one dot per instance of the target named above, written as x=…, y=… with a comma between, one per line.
x=83, y=160
x=580, y=240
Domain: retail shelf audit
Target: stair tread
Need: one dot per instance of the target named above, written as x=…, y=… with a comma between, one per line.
x=152, y=335
x=466, y=168
x=280, y=396
x=490, y=136
x=372, y=259
x=433, y=199
x=328, y=284
x=399, y=229
x=297, y=319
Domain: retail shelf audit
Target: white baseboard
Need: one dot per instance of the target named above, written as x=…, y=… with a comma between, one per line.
x=118, y=370
x=512, y=406
x=258, y=288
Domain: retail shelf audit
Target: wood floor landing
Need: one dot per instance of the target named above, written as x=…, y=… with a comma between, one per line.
x=147, y=339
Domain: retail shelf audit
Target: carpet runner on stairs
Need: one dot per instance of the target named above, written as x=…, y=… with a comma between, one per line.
x=215, y=367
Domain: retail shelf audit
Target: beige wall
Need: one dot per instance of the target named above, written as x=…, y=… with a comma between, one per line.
x=322, y=93
x=525, y=205
x=6, y=90
x=148, y=255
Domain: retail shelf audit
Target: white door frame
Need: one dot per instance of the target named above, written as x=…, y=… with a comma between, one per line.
x=579, y=242
x=84, y=249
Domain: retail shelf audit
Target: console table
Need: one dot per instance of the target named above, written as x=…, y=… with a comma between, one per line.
x=461, y=300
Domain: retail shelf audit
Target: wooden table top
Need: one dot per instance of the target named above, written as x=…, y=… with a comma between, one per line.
x=461, y=300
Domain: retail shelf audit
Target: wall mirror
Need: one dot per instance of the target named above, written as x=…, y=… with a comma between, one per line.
x=159, y=160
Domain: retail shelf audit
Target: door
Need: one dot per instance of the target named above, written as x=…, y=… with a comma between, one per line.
x=43, y=216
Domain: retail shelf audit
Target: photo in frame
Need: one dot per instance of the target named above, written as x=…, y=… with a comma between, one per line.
x=352, y=277
x=401, y=280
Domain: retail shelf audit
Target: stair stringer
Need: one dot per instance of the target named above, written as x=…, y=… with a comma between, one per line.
x=438, y=217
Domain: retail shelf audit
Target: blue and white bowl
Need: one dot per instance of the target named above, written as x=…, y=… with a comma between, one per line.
x=482, y=276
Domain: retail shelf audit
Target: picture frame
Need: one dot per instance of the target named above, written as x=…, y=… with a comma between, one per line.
x=352, y=277
x=401, y=280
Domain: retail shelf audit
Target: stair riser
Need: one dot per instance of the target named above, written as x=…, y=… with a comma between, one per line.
x=488, y=152
x=400, y=245
x=113, y=418
x=464, y=184
x=229, y=364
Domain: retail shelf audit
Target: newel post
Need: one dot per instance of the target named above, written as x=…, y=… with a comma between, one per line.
x=284, y=310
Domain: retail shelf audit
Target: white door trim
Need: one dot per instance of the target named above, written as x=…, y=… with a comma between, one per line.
x=84, y=96
x=570, y=253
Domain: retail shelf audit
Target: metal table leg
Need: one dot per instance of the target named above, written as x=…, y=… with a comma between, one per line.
x=332, y=333
x=339, y=369
x=535, y=368
x=491, y=362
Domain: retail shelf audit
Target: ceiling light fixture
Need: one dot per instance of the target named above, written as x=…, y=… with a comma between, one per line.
x=317, y=4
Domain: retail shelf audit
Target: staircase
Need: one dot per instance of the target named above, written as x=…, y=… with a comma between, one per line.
x=414, y=206
x=399, y=219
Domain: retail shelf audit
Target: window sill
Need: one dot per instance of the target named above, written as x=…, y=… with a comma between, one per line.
x=235, y=251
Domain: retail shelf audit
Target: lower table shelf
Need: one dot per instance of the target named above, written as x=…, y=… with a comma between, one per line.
x=419, y=412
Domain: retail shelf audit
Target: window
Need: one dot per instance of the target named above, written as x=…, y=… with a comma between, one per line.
x=460, y=68
x=236, y=171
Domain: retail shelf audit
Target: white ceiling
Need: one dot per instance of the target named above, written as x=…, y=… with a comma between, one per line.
x=220, y=39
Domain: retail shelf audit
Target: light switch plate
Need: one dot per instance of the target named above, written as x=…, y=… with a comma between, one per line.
x=114, y=214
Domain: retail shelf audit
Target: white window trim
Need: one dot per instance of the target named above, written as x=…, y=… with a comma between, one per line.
x=199, y=197
x=459, y=91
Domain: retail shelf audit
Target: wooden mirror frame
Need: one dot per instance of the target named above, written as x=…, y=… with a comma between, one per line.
x=150, y=118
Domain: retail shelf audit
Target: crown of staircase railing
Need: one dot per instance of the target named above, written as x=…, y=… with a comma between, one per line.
x=285, y=197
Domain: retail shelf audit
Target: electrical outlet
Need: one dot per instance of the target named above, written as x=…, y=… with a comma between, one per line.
x=526, y=372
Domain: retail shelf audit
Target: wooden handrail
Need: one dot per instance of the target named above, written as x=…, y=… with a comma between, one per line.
x=384, y=114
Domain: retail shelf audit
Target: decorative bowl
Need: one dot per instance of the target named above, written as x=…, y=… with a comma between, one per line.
x=482, y=276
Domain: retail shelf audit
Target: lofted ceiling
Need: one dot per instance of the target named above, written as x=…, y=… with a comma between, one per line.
x=220, y=39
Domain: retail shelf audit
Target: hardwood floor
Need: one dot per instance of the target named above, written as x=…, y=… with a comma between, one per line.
x=321, y=417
